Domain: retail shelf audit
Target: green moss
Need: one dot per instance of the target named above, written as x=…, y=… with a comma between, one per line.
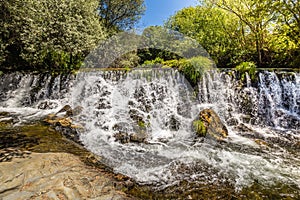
x=200, y=128
x=141, y=124
x=127, y=69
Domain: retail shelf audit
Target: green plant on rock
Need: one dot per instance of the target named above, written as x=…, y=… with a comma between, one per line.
x=246, y=68
x=171, y=63
x=194, y=68
x=200, y=128
x=141, y=124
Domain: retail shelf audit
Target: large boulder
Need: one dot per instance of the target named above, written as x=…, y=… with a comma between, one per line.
x=209, y=124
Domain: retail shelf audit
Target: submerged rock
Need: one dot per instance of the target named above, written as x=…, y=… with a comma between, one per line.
x=209, y=124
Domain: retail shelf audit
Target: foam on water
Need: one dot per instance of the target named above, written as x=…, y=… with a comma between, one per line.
x=172, y=152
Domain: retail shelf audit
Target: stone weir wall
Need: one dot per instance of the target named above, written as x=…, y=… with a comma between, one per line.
x=42, y=90
x=271, y=98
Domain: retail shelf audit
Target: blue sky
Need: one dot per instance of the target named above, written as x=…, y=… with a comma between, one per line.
x=158, y=11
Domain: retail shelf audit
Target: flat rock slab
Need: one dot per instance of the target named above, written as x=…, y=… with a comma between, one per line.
x=54, y=176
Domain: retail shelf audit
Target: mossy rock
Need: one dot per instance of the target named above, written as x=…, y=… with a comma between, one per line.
x=209, y=124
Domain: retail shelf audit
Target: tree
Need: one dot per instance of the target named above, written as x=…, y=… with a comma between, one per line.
x=48, y=34
x=218, y=31
x=290, y=16
x=120, y=15
x=257, y=15
x=288, y=29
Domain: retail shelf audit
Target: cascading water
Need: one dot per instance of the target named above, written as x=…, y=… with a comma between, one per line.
x=33, y=95
x=159, y=106
x=140, y=122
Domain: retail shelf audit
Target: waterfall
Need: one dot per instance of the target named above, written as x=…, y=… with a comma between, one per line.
x=274, y=102
x=33, y=96
x=31, y=90
x=159, y=106
x=140, y=122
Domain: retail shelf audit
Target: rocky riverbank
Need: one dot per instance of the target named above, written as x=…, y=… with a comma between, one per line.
x=55, y=176
x=39, y=162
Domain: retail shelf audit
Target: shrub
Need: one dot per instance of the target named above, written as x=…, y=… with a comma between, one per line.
x=194, y=68
x=246, y=67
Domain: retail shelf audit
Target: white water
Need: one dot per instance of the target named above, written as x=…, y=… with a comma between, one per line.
x=172, y=155
x=30, y=97
x=166, y=105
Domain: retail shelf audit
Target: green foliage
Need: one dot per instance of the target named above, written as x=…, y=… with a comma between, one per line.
x=218, y=32
x=173, y=63
x=48, y=34
x=200, y=128
x=246, y=67
x=289, y=16
x=128, y=60
x=257, y=17
x=167, y=44
x=232, y=31
x=194, y=68
x=157, y=60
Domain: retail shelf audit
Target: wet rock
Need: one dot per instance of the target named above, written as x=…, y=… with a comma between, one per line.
x=122, y=127
x=232, y=121
x=4, y=114
x=243, y=128
x=134, y=137
x=173, y=124
x=7, y=119
x=130, y=133
x=66, y=108
x=209, y=124
x=67, y=111
x=58, y=121
x=286, y=120
x=47, y=105
x=77, y=110
x=122, y=137
x=55, y=176
x=139, y=137
x=64, y=125
x=136, y=115
x=7, y=154
x=261, y=143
